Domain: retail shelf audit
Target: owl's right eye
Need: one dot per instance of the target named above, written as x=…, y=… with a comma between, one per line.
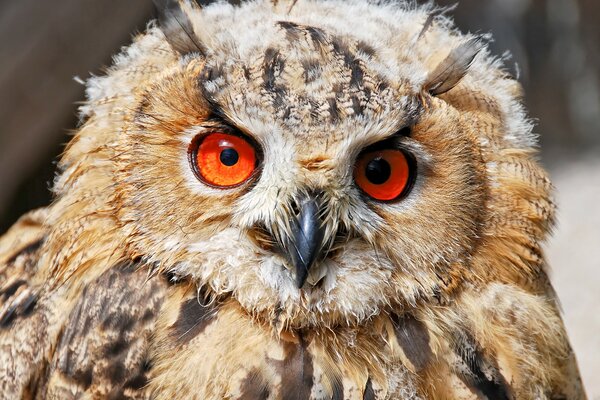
x=223, y=160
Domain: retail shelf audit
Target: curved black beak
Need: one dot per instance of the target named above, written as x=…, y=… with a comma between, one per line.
x=306, y=243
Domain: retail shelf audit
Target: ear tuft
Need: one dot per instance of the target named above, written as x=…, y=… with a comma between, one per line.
x=177, y=27
x=454, y=67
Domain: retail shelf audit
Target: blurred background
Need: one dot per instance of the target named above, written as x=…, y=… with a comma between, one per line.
x=555, y=47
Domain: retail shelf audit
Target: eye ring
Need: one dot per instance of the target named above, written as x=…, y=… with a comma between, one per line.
x=385, y=174
x=223, y=160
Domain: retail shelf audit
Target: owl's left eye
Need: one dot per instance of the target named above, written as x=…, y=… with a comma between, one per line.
x=385, y=175
x=223, y=160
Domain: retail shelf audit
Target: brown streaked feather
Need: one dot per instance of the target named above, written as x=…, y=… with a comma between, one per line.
x=479, y=374
x=22, y=327
x=177, y=27
x=103, y=351
x=453, y=68
x=296, y=370
x=20, y=251
x=26, y=232
x=254, y=387
x=195, y=314
x=368, y=393
x=413, y=339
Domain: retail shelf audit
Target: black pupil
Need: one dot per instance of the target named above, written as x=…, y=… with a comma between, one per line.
x=229, y=157
x=378, y=171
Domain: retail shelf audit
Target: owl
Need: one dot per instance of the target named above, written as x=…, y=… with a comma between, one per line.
x=310, y=199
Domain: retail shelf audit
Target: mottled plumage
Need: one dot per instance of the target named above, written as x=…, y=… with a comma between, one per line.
x=143, y=281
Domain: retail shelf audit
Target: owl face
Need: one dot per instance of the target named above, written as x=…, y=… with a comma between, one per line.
x=301, y=166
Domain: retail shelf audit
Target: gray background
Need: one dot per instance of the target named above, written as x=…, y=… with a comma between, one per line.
x=556, y=54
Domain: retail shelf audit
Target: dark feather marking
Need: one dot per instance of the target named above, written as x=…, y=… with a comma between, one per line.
x=296, y=371
x=426, y=25
x=8, y=291
x=105, y=339
x=140, y=379
x=338, y=389
x=27, y=250
x=279, y=99
x=454, y=67
x=289, y=25
x=254, y=387
x=366, y=49
x=356, y=107
x=177, y=27
x=318, y=36
x=312, y=70
x=351, y=62
x=20, y=309
x=413, y=338
x=27, y=306
x=356, y=79
x=66, y=362
x=293, y=31
x=278, y=311
x=247, y=75
x=211, y=73
x=273, y=64
x=314, y=108
x=382, y=85
x=194, y=316
x=494, y=387
x=8, y=316
x=338, y=90
x=369, y=394
x=13, y=302
x=334, y=111
x=172, y=278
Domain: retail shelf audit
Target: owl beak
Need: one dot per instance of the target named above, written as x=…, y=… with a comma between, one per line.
x=305, y=245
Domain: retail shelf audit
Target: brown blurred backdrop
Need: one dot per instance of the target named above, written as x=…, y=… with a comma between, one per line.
x=555, y=47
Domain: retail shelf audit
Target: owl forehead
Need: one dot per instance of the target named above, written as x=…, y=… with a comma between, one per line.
x=310, y=83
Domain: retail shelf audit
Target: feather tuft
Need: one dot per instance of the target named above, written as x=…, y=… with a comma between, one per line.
x=453, y=68
x=177, y=27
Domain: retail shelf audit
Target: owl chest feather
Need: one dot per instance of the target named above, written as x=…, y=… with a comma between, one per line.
x=125, y=335
x=218, y=351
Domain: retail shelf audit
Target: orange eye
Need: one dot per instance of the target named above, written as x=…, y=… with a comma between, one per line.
x=384, y=174
x=223, y=160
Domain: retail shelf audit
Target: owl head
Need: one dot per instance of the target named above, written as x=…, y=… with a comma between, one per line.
x=321, y=162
